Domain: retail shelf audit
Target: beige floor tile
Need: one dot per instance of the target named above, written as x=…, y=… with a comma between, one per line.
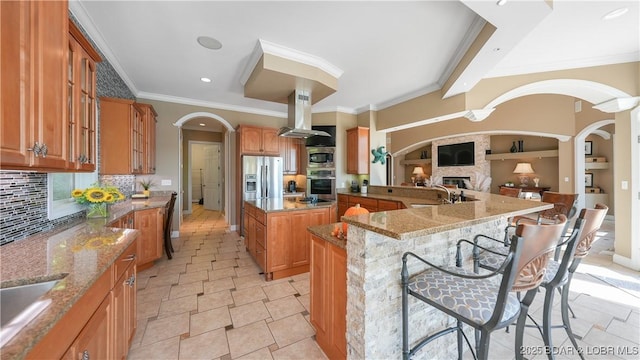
x=172, y=269
x=248, y=313
x=301, y=277
x=193, y=288
x=222, y=273
x=210, y=320
x=629, y=329
x=249, y=281
x=305, y=300
x=206, y=250
x=303, y=287
x=193, y=277
x=154, y=293
x=307, y=348
x=246, y=262
x=214, y=300
x=262, y=354
x=164, y=280
x=199, y=266
x=218, y=285
x=204, y=258
x=141, y=325
x=178, y=306
x=248, y=270
x=166, y=349
x=221, y=264
x=209, y=345
x=166, y=328
x=290, y=329
x=245, y=296
x=227, y=256
x=148, y=309
x=279, y=290
x=248, y=339
x=284, y=307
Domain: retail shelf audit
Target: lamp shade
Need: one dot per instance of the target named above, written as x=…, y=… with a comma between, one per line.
x=418, y=171
x=523, y=168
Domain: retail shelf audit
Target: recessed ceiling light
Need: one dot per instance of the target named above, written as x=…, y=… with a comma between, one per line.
x=205, y=79
x=496, y=49
x=501, y=2
x=203, y=124
x=209, y=42
x=615, y=14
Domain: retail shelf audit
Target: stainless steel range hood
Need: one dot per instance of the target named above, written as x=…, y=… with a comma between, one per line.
x=299, y=116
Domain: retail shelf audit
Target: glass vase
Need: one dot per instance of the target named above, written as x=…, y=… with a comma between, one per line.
x=98, y=210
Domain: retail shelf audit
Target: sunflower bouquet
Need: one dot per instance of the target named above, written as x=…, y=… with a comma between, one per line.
x=97, y=198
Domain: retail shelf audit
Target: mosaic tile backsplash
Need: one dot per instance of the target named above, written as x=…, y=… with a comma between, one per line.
x=23, y=195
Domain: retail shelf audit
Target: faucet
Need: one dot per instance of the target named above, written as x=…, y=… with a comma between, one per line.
x=445, y=189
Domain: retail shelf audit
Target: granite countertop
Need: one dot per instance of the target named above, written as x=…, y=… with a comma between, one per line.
x=324, y=232
x=408, y=201
x=78, y=254
x=412, y=222
x=287, y=204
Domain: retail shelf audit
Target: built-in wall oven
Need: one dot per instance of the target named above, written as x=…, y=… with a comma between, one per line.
x=320, y=157
x=321, y=183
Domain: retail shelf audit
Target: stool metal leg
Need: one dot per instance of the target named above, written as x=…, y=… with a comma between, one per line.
x=405, y=309
x=564, y=305
x=522, y=319
x=546, y=323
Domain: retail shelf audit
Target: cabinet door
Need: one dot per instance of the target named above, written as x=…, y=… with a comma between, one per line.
x=115, y=136
x=149, y=138
x=343, y=204
x=15, y=77
x=337, y=293
x=123, y=300
x=50, y=86
x=251, y=140
x=387, y=205
x=95, y=340
x=318, y=284
x=358, y=151
x=137, y=140
x=300, y=221
x=251, y=236
x=149, y=245
x=278, y=241
x=270, y=141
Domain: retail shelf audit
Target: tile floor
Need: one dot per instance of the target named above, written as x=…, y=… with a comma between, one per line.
x=210, y=302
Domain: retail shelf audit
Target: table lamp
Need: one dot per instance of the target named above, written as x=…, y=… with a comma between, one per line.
x=523, y=169
x=419, y=173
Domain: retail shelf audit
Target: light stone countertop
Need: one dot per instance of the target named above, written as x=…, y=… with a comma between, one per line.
x=287, y=204
x=324, y=232
x=413, y=222
x=78, y=253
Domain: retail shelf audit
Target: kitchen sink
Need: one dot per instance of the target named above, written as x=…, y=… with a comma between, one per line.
x=20, y=304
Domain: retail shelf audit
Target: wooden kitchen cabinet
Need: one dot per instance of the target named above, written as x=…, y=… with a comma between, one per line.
x=96, y=338
x=81, y=112
x=149, y=119
x=358, y=150
x=34, y=128
x=123, y=299
x=255, y=140
x=290, y=153
x=372, y=204
x=120, y=134
x=150, y=241
x=328, y=297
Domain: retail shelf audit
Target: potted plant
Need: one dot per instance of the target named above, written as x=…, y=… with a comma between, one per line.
x=146, y=185
x=97, y=198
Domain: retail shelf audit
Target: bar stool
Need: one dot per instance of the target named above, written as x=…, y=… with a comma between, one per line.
x=510, y=191
x=560, y=272
x=474, y=299
x=168, y=221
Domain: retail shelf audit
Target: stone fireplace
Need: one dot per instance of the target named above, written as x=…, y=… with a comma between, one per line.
x=458, y=173
x=456, y=180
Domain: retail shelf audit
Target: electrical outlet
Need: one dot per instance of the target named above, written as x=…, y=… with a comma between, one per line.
x=389, y=190
x=624, y=185
x=165, y=183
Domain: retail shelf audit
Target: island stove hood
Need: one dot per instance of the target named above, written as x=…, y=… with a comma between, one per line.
x=299, y=116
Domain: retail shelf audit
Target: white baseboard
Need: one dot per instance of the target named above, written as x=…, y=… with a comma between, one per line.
x=187, y=212
x=610, y=217
x=233, y=227
x=626, y=262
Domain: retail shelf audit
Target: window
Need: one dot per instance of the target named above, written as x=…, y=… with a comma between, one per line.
x=60, y=202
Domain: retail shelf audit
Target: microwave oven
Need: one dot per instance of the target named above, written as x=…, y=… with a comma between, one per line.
x=320, y=157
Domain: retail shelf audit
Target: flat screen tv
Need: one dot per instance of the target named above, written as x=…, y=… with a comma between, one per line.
x=462, y=154
x=322, y=140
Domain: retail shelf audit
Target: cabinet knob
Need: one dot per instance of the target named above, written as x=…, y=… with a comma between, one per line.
x=130, y=258
x=85, y=355
x=130, y=281
x=37, y=149
x=44, y=150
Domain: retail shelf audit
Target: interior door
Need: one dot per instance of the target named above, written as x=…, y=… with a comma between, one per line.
x=211, y=177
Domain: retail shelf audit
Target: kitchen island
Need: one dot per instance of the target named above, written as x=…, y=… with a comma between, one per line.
x=277, y=237
x=374, y=247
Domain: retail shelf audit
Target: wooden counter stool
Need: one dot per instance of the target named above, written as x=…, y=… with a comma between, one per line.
x=474, y=299
x=510, y=191
x=168, y=220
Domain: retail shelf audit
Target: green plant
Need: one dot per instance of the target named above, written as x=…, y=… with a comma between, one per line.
x=146, y=183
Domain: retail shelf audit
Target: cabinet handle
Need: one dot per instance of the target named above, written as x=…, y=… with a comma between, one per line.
x=130, y=258
x=85, y=355
x=37, y=149
x=130, y=281
x=44, y=150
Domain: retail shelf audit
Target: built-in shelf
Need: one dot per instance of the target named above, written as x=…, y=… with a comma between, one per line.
x=415, y=161
x=522, y=155
x=596, y=165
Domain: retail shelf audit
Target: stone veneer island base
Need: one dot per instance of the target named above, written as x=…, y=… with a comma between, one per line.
x=375, y=244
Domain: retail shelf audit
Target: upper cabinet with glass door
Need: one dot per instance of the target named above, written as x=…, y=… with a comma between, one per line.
x=81, y=87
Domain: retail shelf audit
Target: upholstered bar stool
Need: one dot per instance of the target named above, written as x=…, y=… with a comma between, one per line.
x=560, y=272
x=485, y=302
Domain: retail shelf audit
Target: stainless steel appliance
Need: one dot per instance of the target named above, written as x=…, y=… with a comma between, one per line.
x=321, y=183
x=261, y=179
x=320, y=157
x=291, y=186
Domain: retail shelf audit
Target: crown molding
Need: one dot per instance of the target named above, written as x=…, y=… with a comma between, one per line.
x=478, y=115
x=78, y=10
x=618, y=104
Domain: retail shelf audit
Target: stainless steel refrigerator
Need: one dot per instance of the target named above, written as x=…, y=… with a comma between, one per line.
x=261, y=179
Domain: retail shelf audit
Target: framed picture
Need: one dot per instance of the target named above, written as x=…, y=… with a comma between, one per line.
x=588, y=180
x=588, y=148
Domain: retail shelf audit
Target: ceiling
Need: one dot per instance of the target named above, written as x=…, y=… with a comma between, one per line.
x=387, y=52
